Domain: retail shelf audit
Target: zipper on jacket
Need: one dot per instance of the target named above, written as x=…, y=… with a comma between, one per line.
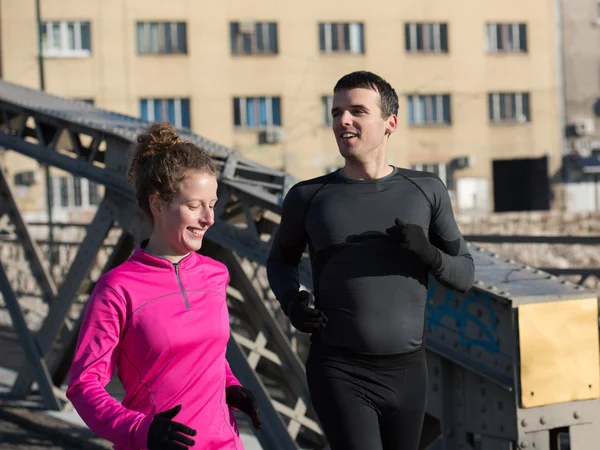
x=176, y=265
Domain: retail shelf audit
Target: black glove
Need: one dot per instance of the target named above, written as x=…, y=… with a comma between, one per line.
x=166, y=434
x=412, y=237
x=239, y=397
x=303, y=317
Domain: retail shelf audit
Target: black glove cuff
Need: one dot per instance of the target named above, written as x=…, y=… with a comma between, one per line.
x=288, y=300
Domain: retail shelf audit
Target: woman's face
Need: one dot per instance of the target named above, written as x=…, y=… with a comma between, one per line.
x=182, y=223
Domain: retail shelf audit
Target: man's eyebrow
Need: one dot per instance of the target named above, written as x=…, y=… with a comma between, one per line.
x=351, y=106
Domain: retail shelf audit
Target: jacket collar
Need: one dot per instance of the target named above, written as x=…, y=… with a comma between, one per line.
x=143, y=257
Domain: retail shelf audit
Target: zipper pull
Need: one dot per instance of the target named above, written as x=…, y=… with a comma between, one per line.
x=176, y=265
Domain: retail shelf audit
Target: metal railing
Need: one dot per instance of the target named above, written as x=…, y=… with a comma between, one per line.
x=584, y=272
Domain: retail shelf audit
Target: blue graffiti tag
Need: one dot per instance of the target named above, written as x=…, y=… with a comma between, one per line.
x=462, y=316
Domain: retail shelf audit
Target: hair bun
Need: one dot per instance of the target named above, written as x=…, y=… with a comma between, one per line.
x=159, y=138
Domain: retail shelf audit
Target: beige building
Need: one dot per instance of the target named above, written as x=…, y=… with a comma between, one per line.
x=581, y=55
x=476, y=82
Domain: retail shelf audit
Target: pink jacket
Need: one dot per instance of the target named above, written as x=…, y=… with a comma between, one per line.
x=165, y=328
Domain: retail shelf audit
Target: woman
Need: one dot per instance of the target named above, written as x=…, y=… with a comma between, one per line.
x=161, y=317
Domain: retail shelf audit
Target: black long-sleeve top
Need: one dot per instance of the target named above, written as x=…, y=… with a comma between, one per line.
x=372, y=293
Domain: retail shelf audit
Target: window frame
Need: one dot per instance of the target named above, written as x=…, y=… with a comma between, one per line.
x=182, y=118
x=519, y=101
x=73, y=193
x=415, y=30
x=419, y=106
x=326, y=107
x=268, y=32
x=147, y=31
x=517, y=39
x=62, y=50
x=272, y=112
x=330, y=33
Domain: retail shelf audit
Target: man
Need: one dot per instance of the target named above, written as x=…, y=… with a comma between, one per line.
x=374, y=233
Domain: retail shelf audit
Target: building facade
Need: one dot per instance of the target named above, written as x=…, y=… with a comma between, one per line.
x=581, y=56
x=477, y=82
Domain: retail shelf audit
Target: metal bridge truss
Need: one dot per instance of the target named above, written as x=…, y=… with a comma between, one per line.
x=489, y=388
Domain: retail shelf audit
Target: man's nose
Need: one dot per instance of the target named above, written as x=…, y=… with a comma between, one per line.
x=346, y=118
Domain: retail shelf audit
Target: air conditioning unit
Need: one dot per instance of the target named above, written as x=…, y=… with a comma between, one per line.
x=27, y=178
x=271, y=135
x=584, y=127
x=463, y=162
x=246, y=27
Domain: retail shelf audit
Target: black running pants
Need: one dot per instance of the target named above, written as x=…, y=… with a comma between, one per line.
x=368, y=402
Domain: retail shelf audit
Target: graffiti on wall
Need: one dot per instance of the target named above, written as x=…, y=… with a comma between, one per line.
x=473, y=331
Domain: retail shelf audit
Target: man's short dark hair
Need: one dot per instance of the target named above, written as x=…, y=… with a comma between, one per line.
x=369, y=80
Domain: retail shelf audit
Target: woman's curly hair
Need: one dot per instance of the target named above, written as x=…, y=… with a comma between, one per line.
x=159, y=162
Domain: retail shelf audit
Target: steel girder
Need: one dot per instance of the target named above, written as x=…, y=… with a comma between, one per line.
x=475, y=355
x=30, y=345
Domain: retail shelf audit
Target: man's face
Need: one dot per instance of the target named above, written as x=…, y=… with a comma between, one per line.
x=360, y=129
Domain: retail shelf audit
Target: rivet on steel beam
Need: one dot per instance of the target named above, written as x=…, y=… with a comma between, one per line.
x=576, y=415
x=543, y=420
x=523, y=423
x=523, y=444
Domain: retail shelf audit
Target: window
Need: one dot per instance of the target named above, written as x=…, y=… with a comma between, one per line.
x=426, y=37
x=341, y=38
x=173, y=110
x=509, y=107
x=429, y=109
x=66, y=39
x=73, y=192
x=64, y=191
x=444, y=171
x=93, y=194
x=256, y=112
x=249, y=38
x=506, y=37
x=161, y=38
x=326, y=106
x=77, y=200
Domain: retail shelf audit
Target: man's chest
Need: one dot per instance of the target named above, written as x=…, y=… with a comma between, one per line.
x=337, y=215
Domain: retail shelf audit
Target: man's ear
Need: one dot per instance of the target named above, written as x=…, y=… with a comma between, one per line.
x=391, y=124
x=155, y=204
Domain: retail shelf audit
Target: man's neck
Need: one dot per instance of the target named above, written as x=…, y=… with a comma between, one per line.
x=357, y=170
